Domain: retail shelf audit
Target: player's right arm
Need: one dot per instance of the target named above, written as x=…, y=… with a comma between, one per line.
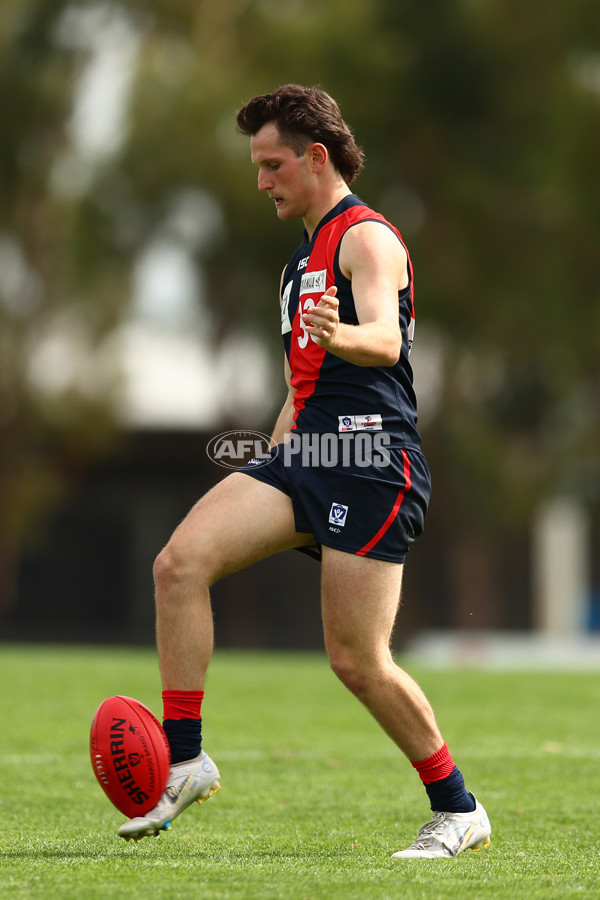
x=285, y=419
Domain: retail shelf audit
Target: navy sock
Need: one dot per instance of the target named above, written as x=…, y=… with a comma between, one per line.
x=450, y=794
x=184, y=737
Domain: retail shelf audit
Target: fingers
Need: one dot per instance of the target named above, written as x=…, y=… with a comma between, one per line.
x=329, y=298
x=322, y=320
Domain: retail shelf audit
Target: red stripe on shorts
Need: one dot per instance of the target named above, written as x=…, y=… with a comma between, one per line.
x=395, y=509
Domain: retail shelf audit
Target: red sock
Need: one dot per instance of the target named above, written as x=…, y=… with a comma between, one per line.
x=437, y=766
x=182, y=704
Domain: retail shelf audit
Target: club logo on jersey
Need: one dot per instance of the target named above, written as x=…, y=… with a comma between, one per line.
x=337, y=514
x=360, y=423
x=314, y=282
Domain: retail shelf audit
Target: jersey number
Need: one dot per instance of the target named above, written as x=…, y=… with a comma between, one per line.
x=303, y=338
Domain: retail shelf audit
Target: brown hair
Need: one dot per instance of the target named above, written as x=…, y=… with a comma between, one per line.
x=304, y=115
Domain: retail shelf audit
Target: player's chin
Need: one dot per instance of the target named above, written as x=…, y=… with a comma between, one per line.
x=285, y=212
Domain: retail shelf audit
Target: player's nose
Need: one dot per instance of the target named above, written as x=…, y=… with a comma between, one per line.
x=265, y=181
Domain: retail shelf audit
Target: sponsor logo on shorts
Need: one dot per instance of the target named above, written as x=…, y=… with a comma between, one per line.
x=337, y=514
x=232, y=449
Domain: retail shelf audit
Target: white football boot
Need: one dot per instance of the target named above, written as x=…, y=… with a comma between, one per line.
x=194, y=780
x=448, y=834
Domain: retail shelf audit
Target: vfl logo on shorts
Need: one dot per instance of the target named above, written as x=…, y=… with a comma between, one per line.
x=337, y=514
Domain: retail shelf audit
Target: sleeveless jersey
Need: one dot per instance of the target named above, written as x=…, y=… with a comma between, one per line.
x=333, y=395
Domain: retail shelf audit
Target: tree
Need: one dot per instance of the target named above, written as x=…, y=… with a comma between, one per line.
x=481, y=139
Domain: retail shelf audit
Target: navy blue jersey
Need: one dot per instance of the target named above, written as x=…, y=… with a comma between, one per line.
x=332, y=395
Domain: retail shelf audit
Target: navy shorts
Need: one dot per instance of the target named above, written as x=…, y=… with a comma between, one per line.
x=368, y=510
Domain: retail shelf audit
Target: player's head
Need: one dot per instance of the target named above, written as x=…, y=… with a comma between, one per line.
x=304, y=116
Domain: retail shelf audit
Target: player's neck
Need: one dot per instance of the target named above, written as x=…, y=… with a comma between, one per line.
x=326, y=201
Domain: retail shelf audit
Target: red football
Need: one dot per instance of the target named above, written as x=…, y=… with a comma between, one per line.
x=130, y=755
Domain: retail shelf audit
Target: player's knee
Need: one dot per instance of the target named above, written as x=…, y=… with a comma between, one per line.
x=165, y=570
x=350, y=670
x=172, y=571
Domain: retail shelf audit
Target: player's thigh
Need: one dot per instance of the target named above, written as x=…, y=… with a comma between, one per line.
x=239, y=521
x=360, y=599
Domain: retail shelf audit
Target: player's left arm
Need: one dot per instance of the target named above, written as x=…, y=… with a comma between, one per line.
x=375, y=261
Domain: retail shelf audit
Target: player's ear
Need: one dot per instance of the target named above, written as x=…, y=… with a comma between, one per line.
x=318, y=157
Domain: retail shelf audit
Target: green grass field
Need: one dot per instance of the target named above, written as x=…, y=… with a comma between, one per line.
x=314, y=799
